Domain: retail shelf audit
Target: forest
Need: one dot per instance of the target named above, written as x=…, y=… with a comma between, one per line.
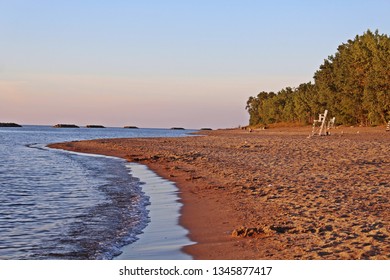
x=353, y=85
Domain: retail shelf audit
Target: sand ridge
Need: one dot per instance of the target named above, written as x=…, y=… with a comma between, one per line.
x=273, y=194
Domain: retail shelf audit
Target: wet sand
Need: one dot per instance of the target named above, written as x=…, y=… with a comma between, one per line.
x=163, y=238
x=273, y=194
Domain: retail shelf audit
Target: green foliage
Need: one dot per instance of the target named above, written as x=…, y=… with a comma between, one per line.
x=353, y=84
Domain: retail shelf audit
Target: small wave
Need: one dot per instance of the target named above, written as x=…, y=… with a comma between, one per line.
x=58, y=205
x=99, y=231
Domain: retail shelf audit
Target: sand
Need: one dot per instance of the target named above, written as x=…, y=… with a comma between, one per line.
x=273, y=194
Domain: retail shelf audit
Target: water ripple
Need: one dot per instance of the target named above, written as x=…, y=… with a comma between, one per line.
x=58, y=205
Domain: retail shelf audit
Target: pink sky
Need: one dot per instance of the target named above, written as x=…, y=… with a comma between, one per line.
x=164, y=63
x=153, y=102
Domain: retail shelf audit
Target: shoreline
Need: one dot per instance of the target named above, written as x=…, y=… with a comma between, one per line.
x=273, y=194
x=163, y=211
x=163, y=237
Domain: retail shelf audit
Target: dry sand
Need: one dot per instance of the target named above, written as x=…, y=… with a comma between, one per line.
x=273, y=194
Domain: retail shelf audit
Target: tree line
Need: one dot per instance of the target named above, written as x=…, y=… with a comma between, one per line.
x=353, y=85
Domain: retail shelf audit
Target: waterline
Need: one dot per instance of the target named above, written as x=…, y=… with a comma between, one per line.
x=163, y=238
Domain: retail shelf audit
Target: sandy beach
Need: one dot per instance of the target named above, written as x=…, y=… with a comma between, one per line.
x=275, y=193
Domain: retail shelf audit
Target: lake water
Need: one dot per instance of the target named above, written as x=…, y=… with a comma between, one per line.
x=61, y=205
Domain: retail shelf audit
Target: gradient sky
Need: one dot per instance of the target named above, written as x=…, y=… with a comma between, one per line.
x=164, y=63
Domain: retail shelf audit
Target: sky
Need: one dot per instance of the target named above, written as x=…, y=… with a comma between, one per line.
x=158, y=64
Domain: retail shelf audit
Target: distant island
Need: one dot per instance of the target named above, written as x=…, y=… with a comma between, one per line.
x=60, y=125
x=10, y=125
x=130, y=126
x=95, y=126
x=177, y=128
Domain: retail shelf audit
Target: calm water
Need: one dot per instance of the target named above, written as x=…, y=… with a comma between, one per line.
x=60, y=205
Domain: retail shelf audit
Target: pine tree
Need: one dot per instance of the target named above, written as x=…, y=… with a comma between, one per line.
x=353, y=85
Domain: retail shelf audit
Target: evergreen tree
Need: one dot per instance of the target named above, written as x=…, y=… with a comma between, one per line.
x=353, y=84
